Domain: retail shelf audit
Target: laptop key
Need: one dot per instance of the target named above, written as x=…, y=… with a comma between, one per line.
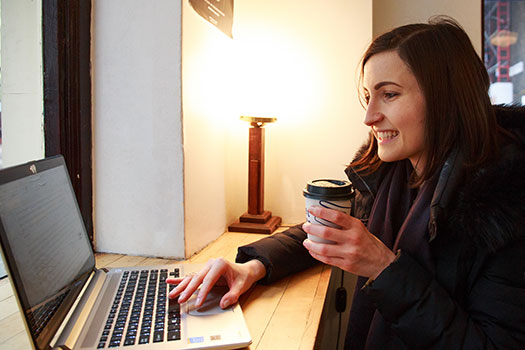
x=174, y=321
x=114, y=344
x=144, y=339
x=173, y=335
x=173, y=305
x=173, y=327
x=129, y=341
x=158, y=336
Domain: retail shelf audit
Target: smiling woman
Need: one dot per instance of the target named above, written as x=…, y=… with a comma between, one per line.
x=453, y=82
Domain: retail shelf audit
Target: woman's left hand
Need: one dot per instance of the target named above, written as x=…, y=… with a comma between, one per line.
x=355, y=250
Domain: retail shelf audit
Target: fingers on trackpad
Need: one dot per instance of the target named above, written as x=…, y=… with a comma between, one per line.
x=210, y=305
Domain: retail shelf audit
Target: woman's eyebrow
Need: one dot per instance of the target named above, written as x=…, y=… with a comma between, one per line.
x=383, y=83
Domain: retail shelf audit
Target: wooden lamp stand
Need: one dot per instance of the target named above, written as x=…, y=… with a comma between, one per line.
x=256, y=219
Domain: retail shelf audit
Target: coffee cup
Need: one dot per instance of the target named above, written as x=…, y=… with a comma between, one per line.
x=327, y=193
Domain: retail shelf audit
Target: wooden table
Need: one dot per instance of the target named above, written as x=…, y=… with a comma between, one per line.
x=284, y=315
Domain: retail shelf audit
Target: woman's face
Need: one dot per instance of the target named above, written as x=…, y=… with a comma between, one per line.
x=395, y=109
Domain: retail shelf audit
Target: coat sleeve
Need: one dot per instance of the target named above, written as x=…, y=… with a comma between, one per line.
x=282, y=254
x=425, y=316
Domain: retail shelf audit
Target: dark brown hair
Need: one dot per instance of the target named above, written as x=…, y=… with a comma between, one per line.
x=455, y=85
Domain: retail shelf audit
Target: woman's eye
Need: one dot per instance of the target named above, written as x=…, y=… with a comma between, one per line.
x=390, y=95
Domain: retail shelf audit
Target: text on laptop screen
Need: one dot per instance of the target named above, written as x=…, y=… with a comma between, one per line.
x=40, y=218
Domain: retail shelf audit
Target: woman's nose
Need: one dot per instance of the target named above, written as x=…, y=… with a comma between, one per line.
x=372, y=116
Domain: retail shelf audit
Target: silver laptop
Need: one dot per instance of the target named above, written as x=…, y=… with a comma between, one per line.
x=67, y=303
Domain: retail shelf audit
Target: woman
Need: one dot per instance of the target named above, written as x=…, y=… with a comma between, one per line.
x=437, y=232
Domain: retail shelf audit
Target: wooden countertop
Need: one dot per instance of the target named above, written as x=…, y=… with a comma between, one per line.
x=284, y=315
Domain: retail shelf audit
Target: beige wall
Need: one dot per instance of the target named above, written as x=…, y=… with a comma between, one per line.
x=392, y=13
x=294, y=60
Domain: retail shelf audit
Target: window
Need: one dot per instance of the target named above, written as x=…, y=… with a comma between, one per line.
x=504, y=49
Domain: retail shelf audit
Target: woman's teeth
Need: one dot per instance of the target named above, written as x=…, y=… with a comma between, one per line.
x=386, y=135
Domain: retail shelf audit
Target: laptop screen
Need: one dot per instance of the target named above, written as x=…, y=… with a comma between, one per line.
x=44, y=240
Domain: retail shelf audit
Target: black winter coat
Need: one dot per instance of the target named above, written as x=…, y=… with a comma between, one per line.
x=475, y=299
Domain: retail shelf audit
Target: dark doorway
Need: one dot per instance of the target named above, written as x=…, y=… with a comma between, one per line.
x=67, y=93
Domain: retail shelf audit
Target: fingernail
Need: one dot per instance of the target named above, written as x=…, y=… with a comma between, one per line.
x=226, y=304
x=198, y=301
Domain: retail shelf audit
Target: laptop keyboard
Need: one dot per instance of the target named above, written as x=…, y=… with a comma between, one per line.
x=39, y=318
x=141, y=312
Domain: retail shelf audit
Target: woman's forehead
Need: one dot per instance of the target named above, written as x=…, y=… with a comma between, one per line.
x=386, y=67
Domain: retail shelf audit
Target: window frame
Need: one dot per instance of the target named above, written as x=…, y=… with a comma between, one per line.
x=66, y=37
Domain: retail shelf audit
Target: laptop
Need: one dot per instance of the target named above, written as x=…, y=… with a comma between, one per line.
x=67, y=303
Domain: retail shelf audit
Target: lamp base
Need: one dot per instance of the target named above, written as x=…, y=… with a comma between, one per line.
x=256, y=223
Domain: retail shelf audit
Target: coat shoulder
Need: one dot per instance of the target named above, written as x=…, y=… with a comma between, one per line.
x=490, y=206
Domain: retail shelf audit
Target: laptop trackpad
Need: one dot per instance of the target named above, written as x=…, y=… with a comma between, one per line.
x=210, y=305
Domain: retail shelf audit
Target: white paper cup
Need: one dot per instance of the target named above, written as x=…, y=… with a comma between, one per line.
x=327, y=193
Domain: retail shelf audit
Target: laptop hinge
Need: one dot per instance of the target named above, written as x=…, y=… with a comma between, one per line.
x=71, y=327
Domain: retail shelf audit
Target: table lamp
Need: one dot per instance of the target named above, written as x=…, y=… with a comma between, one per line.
x=256, y=219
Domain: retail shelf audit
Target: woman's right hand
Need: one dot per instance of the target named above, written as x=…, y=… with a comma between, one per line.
x=238, y=277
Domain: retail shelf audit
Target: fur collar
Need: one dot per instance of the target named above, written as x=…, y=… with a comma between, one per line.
x=490, y=207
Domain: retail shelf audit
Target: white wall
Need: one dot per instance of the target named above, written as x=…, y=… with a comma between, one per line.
x=392, y=13
x=294, y=60
x=22, y=87
x=138, y=193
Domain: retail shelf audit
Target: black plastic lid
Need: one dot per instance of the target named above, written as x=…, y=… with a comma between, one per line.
x=328, y=188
